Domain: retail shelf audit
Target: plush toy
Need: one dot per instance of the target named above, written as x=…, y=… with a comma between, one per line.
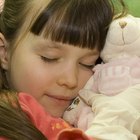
x=107, y=107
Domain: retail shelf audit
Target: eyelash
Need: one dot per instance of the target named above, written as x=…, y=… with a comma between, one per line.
x=45, y=59
x=87, y=66
x=49, y=60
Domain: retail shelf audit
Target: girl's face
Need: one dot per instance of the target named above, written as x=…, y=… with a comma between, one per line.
x=51, y=72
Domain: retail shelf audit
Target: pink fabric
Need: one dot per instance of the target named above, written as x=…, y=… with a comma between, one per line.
x=116, y=76
x=52, y=128
x=48, y=125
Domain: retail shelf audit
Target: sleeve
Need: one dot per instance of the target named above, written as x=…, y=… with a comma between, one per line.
x=52, y=128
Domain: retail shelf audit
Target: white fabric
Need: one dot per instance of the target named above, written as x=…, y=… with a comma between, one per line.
x=116, y=117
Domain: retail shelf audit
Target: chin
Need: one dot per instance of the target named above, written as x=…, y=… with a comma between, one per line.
x=56, y=114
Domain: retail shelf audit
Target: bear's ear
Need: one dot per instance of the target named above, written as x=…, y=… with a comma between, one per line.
x=3, y=52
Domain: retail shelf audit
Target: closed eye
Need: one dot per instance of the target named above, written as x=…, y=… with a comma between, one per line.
x=46, y=59
x=88, y=66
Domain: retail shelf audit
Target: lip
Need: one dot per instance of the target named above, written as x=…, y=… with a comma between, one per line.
x=60, y=99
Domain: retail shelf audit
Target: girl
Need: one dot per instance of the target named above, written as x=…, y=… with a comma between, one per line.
x=47, y=50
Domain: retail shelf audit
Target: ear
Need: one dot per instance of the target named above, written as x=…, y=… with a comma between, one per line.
x=3, y=52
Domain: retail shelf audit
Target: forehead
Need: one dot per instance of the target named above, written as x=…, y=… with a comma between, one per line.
x=52, y=43
x=40, y=44
x=45, y=44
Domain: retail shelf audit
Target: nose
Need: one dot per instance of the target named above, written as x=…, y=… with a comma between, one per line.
x=68, y=77
x=122, y=24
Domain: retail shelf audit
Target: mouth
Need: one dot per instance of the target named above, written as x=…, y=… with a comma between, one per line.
x=60, y=99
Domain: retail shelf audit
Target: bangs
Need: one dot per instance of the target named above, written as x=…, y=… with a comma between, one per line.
x=80, y=26
x=69, y=30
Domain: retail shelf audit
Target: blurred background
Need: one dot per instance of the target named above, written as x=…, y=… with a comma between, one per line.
x=133, y=7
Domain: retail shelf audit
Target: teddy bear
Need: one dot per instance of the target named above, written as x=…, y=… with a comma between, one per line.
x=108, y=107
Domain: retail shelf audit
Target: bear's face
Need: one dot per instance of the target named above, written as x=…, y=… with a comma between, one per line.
x=123, y=39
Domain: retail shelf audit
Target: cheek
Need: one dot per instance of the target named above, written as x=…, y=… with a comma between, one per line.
x=28, y=76
x=84, y=77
